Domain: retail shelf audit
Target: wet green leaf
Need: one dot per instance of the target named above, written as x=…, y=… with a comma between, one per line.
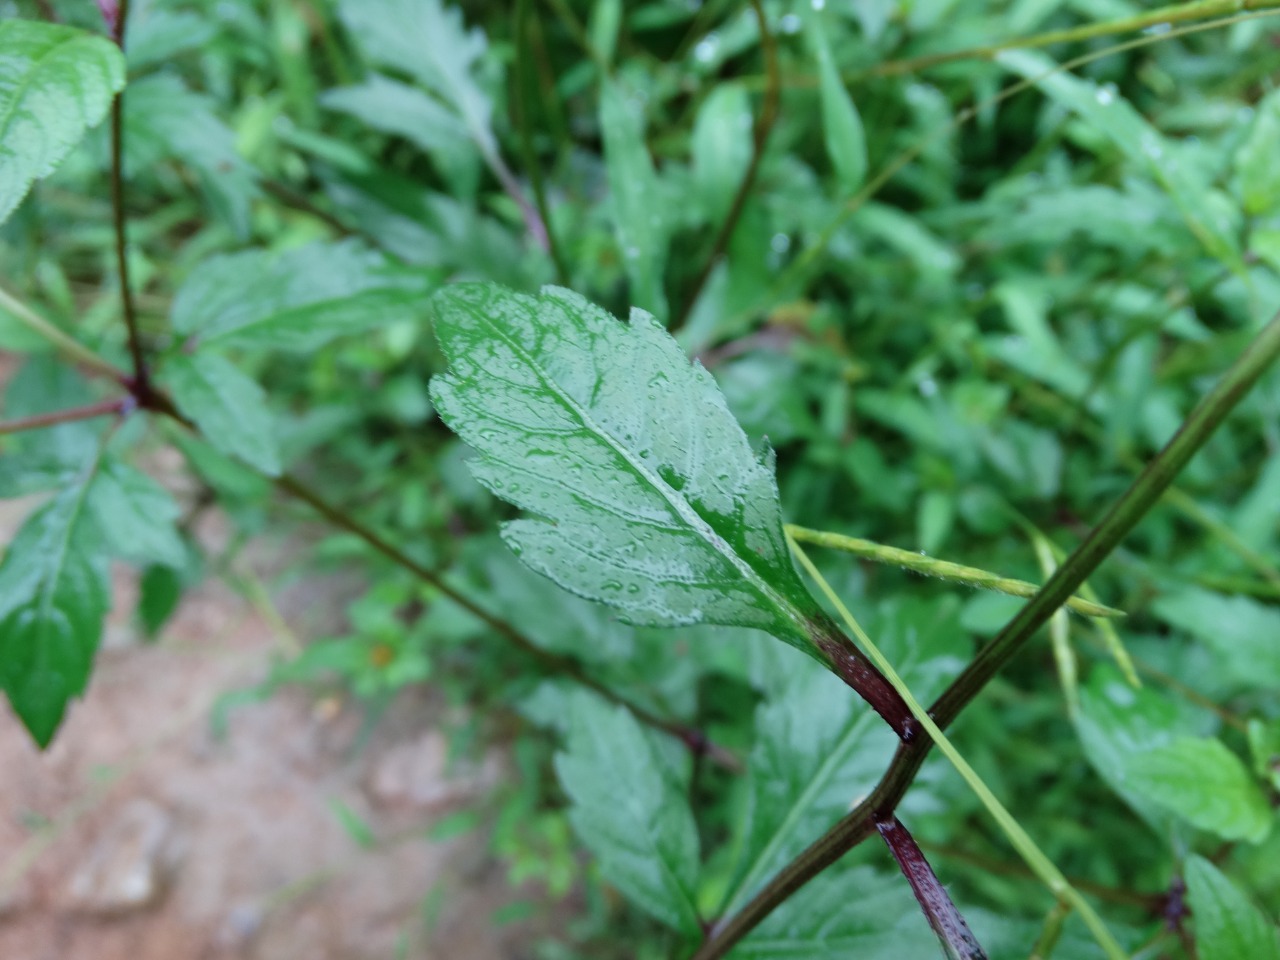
x=631, y=809
x=1227, y=925
x=136, y=515
x=228, y=407
x=53, y=598
x=55, y=83
x=298, y=300
x=633, y=188
x=1205, y=784
x=646, y=493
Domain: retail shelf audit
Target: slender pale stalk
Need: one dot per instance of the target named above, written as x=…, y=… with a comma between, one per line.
x=73, y=350
x=1136, y=502
x=72, y=415
x=1031, y=854
x=1161, y=18
x=943, y=569
x=1060, y=635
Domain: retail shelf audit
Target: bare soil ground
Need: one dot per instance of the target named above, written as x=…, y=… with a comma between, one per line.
x=140, y=835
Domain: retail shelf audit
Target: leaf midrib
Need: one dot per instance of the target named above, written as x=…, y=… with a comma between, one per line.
x=682, y=507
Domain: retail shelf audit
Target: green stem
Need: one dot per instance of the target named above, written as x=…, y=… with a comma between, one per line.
x=760, y=138
x=141, y=376
x=1021, y=841
x=1161, y=16
x=525, y=81
x=943, y=569
x=859, y=823
x=73, y=350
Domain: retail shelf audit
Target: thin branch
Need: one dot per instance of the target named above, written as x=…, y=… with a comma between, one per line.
x=860, y=822
x=1161, y=17
x=943, y=569
x=88, y=412
x=693, y=738
x=957, y=939
x=760, y=138
x=298, y=201
x=72, y=349
x=141, y=376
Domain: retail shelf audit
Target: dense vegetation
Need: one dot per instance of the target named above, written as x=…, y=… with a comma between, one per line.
x=953, y=275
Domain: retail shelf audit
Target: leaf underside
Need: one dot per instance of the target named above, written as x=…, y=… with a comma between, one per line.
x=646, y=492
x=55, y=83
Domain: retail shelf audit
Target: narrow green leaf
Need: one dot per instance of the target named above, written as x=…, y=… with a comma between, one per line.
x=633, y=190
x=1117, y=723
x=229, y=408
x=1117, y=120
x=1205, y=784
x=842, y=131
x=721, y=147
x=401, y=109
x=136, y=515
x=53, y=598
x=55, y=83
x=1227, y=925
x=630, y=808
x=298, y=300
x=430, y=42
x=1256, y=165
x=1241, y=632
x=647, y=494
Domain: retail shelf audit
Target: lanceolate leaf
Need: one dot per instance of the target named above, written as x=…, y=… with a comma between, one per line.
x=55, y=83
x=297, y=300
x=53, y=597
x=647, y=494
x=1227, y=925
x=228, y=407
x=631, y=809
x=136, y=515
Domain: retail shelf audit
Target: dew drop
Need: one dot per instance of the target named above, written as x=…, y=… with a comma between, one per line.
x=1105, y=95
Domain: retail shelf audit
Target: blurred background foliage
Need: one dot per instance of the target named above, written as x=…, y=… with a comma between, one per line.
x=976, y=352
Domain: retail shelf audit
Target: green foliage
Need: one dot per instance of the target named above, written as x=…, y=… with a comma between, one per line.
x=53, y=596
x=55, y=82
x=973, y=360
x=629, y=805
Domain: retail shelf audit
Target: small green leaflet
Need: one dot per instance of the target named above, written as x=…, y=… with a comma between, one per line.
x=165, y=120
x=1205, y=784
x=1227, y=925
x=298, y=300
x=136, y=515
x=842, y=130
x=53, y=597
x=647, y=495
x=55, y=83
x=229, y=408
x=635, y=199
x=631, y=808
